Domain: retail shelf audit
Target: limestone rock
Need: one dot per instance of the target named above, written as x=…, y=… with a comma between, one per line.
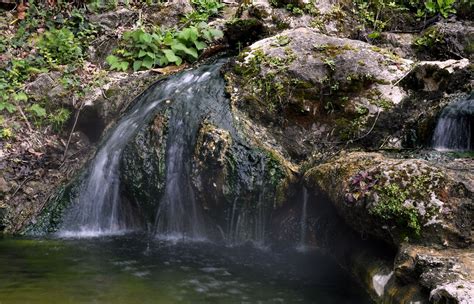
x=316, y=88
x=446, y=40
x=169, y=14
x=47, y=85
x=447, y=273
x=397, y=200
x=111, y=20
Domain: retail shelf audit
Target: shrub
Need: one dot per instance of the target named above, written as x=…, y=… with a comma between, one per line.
x=60, y=46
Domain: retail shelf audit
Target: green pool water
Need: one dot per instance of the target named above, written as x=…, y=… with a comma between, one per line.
x=138, y=269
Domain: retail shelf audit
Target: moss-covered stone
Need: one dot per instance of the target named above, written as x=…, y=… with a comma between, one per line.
x=396, y=200
x=143, y=166
x=52, y=215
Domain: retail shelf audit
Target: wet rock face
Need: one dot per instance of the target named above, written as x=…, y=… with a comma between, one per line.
x=210, y=165
x=239, y=185
x=143, y=167
x=397, y=200
x=448, y=274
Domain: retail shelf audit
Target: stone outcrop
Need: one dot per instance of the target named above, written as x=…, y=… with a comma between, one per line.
x=398, y=200
x=314, y=88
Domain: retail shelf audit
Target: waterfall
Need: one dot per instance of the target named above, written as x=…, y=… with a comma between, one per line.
x=98, y=208
x=303, y=222
x=454, y=131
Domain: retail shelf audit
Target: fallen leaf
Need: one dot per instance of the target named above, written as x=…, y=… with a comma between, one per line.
x=37, y=154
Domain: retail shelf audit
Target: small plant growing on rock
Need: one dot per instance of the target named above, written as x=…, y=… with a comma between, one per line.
x=392, y=207
x=360, y=186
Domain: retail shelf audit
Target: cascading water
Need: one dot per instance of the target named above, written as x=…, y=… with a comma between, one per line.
x=455, y=128
x=99, y=209
x=304, y=219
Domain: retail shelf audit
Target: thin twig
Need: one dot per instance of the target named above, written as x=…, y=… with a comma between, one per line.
x=406, y=74
x=21, y=185
x=24, y=117
x=72, y=131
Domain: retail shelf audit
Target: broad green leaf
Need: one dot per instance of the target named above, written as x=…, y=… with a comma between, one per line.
x=151, y=55
x=124, y=65
x=37, y=110
x=181, y=47
x=111, y=60
x=21, y=96
x=7, y=106
x=148, y=62
x=171, y=56
x=189, y=34
x=137, y=64
x=142, y=53
x=200, y=45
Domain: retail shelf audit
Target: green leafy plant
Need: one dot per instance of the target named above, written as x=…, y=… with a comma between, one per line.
x=60, y=47
x=430, y=38
x=443, y=7
x=6, y=133
x=58, y=118
x=144, y=50
x=37, y=110
x=208, y=7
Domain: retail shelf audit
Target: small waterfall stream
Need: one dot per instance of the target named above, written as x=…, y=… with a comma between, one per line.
x=304, y=219
x=455, y=128
x=99, y=208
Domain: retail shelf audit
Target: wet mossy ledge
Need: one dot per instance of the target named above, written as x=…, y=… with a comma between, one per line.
x=398, y=200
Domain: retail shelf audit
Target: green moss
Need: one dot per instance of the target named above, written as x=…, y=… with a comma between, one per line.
x=264, y=89
x=390, y=208
x=401, y=198
x=430, y=39
x=50, y=218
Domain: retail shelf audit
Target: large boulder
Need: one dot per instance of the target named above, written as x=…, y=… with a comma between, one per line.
x=314, y=88
x=446, y=40
x=399, y=200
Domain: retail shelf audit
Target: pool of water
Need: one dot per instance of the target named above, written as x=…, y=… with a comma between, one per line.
x=138, y=269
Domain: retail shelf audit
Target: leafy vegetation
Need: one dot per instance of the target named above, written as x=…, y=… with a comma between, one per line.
x=430, y=38
x=45, y=40
x=391, y=208
x=60, y=46
x=377, y=14
x=204, y=10
x=145, y=50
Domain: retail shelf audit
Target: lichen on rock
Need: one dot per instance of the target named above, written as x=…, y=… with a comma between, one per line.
x=396, y=200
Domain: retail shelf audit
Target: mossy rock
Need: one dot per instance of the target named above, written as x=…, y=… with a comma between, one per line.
x=397, y=200
x=143, y=166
